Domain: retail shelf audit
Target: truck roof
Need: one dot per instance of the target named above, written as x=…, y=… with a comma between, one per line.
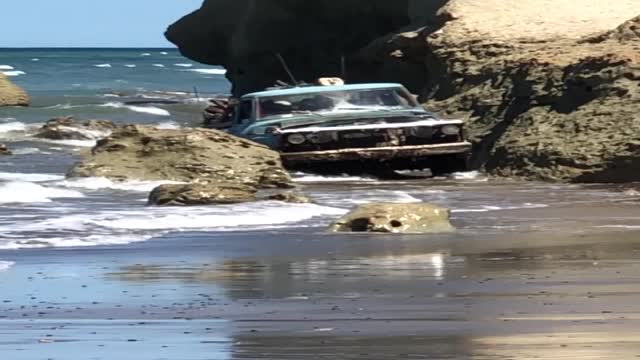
x=316, y=89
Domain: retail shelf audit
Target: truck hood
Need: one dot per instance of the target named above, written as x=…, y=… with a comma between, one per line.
x=315, y=120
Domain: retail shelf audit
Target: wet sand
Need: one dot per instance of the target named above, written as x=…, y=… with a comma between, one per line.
x=567, y=287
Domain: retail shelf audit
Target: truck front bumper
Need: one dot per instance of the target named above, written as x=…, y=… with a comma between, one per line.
x=380, y=154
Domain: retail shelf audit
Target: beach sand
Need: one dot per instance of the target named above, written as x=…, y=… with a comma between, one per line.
x=303, y=294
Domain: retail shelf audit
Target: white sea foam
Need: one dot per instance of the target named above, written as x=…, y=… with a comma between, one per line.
x=99, y=183
x=5, y=265
x=164, y=53
x=489, y=208
x=142, y=109
x=5, y=176
x=26, y=192
x=6, y=67
x=168, y=125
x=210, y=71
x=14, y=73
x=139, y=224
x=26, y=151
x=265, y=214
x=158, y=65
x=130, y=65
x=35, y=59
x=103, y=65
x=145, y=54
x=150, y=110
x=469, y=175
x=13, y=126
x=310, y=178
x=183, y=65
x=71, y=143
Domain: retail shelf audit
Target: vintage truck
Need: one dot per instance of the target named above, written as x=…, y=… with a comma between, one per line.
x=362, y=128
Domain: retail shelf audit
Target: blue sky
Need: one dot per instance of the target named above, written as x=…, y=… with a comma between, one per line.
x=89, y=23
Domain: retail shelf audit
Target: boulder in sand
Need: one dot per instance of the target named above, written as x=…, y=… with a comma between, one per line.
x=202, y=156
x=11, y=95
x=201, y=194
x=67, y=128
x=416, y=218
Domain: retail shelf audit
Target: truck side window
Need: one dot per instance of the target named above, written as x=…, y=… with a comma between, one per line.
x=244, y=111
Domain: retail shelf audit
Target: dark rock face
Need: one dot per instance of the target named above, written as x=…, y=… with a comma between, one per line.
x=312, y=36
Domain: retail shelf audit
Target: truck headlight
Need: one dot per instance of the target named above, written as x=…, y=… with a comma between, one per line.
x=450, y=130
x=296, y=139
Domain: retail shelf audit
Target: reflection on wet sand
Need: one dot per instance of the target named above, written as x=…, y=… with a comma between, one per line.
x=462, y=296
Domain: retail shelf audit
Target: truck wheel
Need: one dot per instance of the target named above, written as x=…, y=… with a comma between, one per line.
x=448, y=164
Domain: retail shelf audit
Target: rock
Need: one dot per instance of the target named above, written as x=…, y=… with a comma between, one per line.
x=244, y=36
x=66, y=128
x=395, y=218
x=291, y=197
x=542, y=101
x=544, y=98
x=10, y=94
x=137, y=152
x=4, y=150
x=201, y=194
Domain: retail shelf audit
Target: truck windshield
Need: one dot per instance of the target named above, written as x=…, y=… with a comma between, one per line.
x=336, y=101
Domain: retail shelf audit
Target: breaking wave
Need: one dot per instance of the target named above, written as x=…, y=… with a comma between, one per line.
x=26, y=192
x=141, y=109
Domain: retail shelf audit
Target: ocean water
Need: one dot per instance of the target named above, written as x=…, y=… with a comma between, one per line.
x=39, y=208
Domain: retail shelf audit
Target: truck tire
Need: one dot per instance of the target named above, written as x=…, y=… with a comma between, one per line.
x=449, y=164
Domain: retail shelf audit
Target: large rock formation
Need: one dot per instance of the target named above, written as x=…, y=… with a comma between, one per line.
x=246, y=35
x=549, y=87
x=200, y=156
x=10, y=94
x=415, y=218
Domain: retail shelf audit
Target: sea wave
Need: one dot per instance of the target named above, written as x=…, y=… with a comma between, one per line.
x=183, y=65
x=311, y=178
x=169, y=125
x=5, y=265
x=130, y=65
x=16, y=192
x=257, y=214
x=13, y=126
x=109, y=227
x=103, y=65
x=489, y=208
x=158, y=65
x=141, y=109
x=27, y=177
x=6, y=67
x=209, y=71
x=14, y=73
x=100, y=183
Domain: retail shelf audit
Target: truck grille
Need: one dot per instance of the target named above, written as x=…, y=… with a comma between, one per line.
x=369, y=138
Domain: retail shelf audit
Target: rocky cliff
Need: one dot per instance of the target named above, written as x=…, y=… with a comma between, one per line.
x=550, y=88
x=11, y=95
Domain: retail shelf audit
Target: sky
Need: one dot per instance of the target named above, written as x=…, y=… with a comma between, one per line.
x=89, y=23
